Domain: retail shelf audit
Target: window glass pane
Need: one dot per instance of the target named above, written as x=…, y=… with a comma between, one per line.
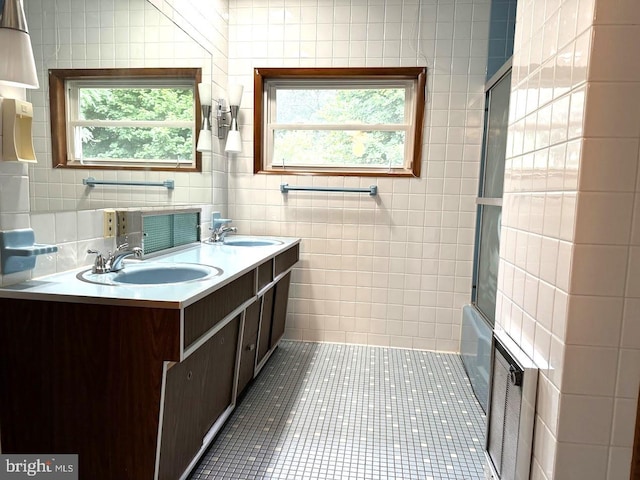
x=341, y=106
x=152, y=143
x=335, y=148
x=496, y=137
x=488, y=257
x=136, y=104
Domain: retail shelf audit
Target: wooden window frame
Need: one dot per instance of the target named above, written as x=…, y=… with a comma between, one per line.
x=57, y=104
x=262, y=75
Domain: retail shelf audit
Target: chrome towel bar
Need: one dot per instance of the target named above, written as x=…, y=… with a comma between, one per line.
x=92, y=182
x=371, y=190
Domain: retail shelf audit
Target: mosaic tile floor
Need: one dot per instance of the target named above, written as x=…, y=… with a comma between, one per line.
x=325, y=411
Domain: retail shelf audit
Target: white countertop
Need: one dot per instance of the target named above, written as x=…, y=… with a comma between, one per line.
x=234, y=261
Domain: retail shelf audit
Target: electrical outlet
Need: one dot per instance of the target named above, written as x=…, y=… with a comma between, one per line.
x=109, y=226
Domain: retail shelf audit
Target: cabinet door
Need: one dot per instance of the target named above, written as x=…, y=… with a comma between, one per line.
x=280, y=309
x=266, y=317
x=249, y=342
x=198, y=390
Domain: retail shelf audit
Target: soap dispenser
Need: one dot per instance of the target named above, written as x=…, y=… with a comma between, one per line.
x=17, y=139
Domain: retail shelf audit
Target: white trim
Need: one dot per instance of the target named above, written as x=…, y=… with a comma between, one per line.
x=165, y=369
x=131, y=123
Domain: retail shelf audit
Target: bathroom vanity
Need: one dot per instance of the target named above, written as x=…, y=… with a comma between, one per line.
x=137, y=380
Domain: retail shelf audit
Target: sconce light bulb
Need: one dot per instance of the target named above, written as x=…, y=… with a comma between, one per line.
x=204, y=141
x=235, y=94
x=204, y=91
x=17, y=64
x=234, y=142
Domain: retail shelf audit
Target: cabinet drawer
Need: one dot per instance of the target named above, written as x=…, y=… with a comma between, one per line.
x=206, y=313
x=287, y=259
x=265, y=274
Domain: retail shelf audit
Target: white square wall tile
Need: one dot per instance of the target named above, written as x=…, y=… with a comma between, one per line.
x=626, y=12
x=580, y=461
x=631, y=324
x=585, y=419
x=609, y=165
x=635, y=222
x=598, y=270
x=66, y=227
x=628, y=374
x=603, y=218
x=90, y=224
x=594, y=321
x=14, y=194
x=619, y=463
x=544, y=448
x=14, y=221
x=590, y=370
x=633, y=278
x=612, y=110
x=624, y=415
x=548, y=404
x=613, y=57
x=43, y=225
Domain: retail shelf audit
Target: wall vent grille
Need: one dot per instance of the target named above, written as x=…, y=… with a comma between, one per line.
x=514, y=381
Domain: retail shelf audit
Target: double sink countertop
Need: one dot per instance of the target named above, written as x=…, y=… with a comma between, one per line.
x=233, y=261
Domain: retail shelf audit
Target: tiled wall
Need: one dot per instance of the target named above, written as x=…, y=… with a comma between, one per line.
x=14, y=189
x=120, y=33
x=570, y=263
x=396, y=269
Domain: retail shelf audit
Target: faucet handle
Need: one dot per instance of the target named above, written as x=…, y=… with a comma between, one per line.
x=100, y=264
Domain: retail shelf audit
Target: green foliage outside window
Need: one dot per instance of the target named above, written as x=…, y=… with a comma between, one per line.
x=137, y=104
x=340, y=147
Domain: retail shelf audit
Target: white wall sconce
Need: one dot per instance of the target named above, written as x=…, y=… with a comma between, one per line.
x=234, y=142
x=17, y=65
x=204, y=138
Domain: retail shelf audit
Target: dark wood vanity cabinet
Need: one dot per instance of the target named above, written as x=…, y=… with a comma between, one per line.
x=198, y=391
x=135, y=390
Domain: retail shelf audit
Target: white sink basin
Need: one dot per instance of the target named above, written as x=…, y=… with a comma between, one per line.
x=251, y=242
x=153, y=274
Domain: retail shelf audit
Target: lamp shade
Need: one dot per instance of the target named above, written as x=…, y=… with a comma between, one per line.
x=234, y=142
x=17, y=65
x=235, y=94
x=204, y=91
x=204, y=141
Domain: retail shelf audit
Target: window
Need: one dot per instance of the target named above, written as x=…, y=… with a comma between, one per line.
x=485, y=279
x=339, y=121
x=125, y=118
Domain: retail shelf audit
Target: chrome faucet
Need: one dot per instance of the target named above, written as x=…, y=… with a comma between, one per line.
x=220, y=227
x=113, y=262
x=218, y=233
